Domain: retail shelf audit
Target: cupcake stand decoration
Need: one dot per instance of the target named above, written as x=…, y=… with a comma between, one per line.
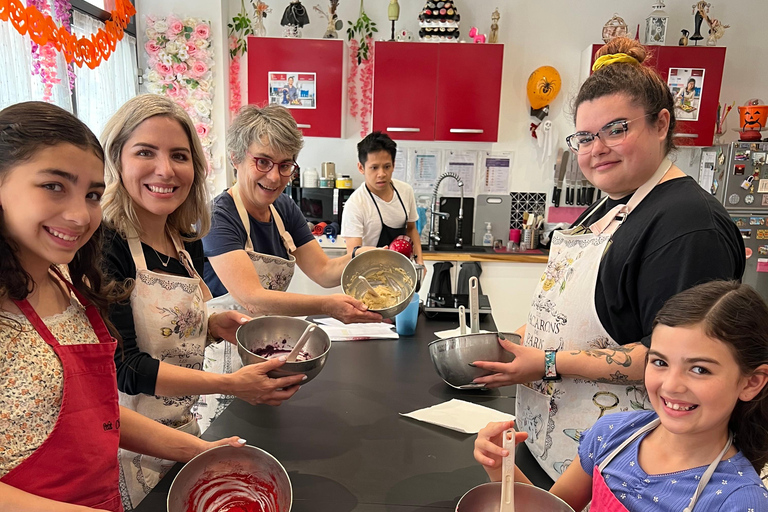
x=439, y=22
x=294, y=19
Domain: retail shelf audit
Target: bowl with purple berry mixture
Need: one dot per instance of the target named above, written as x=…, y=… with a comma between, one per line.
x=268, y=337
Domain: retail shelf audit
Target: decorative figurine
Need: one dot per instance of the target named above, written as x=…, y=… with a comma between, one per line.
x=656, y=25
x=716, y=30
x=683, y=40
x=700, y=10
x=495, y=17
x=334, y=23
x=294, y=18
x=476, y=36
x=404, y=36
x=439, y=22
x=614, y=27
x=393, y=13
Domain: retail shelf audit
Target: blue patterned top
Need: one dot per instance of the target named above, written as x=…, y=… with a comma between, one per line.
x=734, y=487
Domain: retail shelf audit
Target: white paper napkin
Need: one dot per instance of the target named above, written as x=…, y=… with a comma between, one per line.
x=459, y=415
x=450, y=333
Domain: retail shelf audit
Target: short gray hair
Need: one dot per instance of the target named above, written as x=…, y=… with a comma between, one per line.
x=271, y=126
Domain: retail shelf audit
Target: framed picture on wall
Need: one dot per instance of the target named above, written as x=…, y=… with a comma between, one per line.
x=687, y=86
x=293, y=89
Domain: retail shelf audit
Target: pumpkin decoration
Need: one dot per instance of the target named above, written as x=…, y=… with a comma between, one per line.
x=543, y=87
x=752, y=117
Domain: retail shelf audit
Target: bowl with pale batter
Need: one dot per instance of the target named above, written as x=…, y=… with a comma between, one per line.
x=267, y=337
x=391, y=274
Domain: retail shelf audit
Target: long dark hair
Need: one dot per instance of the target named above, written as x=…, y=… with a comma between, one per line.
x=640, y=83
x=735, y=314
x=25, y=129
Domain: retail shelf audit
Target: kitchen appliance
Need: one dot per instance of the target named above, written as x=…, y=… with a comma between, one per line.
x=737, y=175
x=323, y=204
x=494, y=209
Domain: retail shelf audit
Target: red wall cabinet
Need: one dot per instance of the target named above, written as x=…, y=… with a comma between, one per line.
x=438, y=91
x=323, y=57
x=709, y=58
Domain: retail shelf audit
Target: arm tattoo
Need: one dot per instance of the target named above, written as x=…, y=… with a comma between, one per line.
x=617, y=355
x=615, y=378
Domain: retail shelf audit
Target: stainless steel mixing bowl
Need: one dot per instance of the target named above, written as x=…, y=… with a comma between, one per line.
x=199, y=475
x=398, y=273
x=528, y=498
x=268, y=330
x=451, y=356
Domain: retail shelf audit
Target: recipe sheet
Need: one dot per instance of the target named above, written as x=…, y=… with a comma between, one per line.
x=496, y=170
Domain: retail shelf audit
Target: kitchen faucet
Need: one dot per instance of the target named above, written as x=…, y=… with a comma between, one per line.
x=434, y=211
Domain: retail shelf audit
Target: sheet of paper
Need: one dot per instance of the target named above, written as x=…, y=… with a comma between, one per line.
x=450, y=333
x=459, y=415
x=339, y=331
x=707, y=170
x=495, y=169
x=463, y=163
x=401, y=165
x=425, y=164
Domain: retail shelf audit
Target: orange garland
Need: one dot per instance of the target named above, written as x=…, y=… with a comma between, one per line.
x=43, y=30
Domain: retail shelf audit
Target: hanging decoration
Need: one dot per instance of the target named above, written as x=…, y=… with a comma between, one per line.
x=179, y=65
x=360, y=86
x=44, y=56
x=43, y=30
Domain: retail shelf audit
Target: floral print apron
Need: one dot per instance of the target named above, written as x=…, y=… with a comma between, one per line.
x=275, y=273
x=556, y=413
x=171, y=319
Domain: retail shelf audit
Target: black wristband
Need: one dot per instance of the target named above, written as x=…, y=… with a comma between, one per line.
x=354, y=251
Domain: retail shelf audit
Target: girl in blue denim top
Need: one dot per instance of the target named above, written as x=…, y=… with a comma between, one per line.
x=705, y=441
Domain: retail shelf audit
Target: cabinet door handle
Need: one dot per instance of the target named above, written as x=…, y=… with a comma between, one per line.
x=304, y=126
x=685, y=135
x=466, y=130
x=399, y=129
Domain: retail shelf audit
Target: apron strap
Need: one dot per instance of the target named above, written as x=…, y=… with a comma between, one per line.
x=186, y=260
x=134, y=245
x=377, y=206
x=285, y=236
x=647, y=428
x=611, y=221
x=708, y=474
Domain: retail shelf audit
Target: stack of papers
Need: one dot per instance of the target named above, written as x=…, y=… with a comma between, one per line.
x=459, y=415
x=339, y=331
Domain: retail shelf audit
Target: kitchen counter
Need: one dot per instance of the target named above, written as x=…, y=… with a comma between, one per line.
x=343, y=442
x=534, y=256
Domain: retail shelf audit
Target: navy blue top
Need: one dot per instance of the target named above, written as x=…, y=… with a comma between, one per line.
x=735, y=486
x=227, y=234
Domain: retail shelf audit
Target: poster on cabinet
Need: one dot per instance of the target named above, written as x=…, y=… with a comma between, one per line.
x=687, y=86
x=293, y=89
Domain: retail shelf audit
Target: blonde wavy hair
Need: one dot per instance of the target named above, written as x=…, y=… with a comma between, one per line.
x=192, y=219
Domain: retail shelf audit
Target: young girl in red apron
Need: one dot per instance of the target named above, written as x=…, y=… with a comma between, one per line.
x=702, y=446
x=60, y=420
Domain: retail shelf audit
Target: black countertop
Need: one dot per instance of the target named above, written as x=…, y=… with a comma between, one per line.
x=343, y=442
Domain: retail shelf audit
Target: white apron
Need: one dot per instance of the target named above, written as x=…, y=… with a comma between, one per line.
x=563, y=317
x=275, y=273
x=170, y=318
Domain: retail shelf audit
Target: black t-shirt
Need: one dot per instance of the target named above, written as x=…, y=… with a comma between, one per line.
x=227, y=233
x=136, y=370
x=677, y=237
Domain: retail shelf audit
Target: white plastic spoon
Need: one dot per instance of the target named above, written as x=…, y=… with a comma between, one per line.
x=508, y=473
x=462, y=320
x=474, y=307
x=368, y=286
x=297, y=348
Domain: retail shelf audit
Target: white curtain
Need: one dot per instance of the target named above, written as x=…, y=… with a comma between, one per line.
x=17, y=83
x=100, y=92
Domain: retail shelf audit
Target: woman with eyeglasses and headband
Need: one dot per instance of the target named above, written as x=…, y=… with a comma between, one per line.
x=156, y=210
x=258, y=234
x=655, y=234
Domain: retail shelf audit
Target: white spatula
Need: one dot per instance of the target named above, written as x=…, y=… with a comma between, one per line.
x=297, y=348
x=368, y=286
x=508, y=473
x=474, y=307
x=462, y=320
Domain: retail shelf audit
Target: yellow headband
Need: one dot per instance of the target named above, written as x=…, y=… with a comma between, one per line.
x=607, y=60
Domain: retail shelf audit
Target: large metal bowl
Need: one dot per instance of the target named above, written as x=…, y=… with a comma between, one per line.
x=370, y=263
x=451, y=356
x=246, y=474
x=528, y=498
x=268, y=330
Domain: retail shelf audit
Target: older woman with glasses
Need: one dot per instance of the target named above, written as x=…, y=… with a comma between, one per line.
x=655, y=234
x=258, y=234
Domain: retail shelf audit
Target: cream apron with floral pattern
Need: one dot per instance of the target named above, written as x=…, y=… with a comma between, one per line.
x=563, y=317
x=170, y=318
x=275, y=273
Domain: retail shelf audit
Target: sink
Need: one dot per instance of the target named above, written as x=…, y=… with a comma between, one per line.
x=451, y=248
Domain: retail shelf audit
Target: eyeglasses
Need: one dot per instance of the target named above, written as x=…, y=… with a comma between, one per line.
x=612, y=134
x=263, y=164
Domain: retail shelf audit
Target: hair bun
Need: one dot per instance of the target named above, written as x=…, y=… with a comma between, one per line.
x=626, y=45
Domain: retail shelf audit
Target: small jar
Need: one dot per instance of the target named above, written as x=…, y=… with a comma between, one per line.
x=343, y=181
x=309, y=178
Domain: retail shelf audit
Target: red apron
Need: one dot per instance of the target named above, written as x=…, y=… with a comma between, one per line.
x=77, y=462
x=603, y=499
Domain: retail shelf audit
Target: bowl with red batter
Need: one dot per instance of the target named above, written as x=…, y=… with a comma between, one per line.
x=268, y=337
x=226, y=478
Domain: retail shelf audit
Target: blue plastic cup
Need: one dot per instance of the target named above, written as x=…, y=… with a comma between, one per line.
x=405, y=321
